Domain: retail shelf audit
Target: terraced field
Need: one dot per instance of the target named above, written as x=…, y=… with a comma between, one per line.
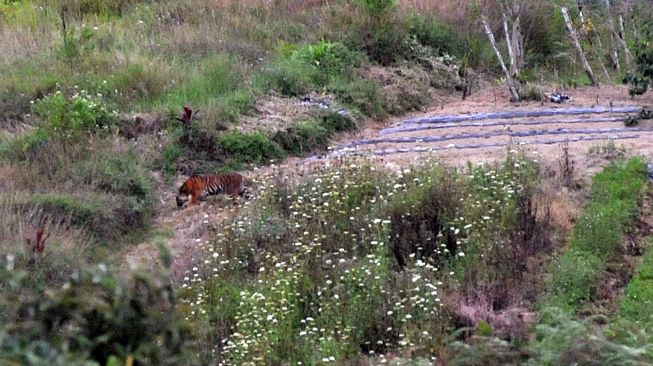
x=480, y=136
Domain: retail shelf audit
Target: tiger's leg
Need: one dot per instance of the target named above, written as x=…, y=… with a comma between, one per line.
x=194, y=198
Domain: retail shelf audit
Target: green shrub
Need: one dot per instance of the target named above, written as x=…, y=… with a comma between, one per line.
x=338, y=122
x=635, y=304
x=437, y=35
x=531, y=92
x=94, y=319
x=122, y=176
x=600, y=228
x=94, y=216
x=23, y=146
x=364, y=95
x=136, y=82
x=170, y=156
x=385, y=43
x=249, y=147
x=310, y=67
x=67, y=117
x=574, y=280
x=641, y=79
x=303, y=137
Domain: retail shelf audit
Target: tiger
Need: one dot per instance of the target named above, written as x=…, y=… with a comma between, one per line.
x=200, y=186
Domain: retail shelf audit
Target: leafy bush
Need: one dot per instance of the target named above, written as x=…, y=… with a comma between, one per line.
x=94, y=216
x=21, y=147
x=314, y=66
x=562, y=340
x=122, y=176
x=338, y=122
x=642, y=78
x=303, y=137
x=637, y=299
x=249, y=147
x=67, y=117
x=574, y=279
x=94, y=319
x=312, y=135
x=364, y=95
x=438, y=36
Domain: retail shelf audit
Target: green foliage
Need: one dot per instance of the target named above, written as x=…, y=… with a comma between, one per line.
x=94, y=319
x=21, y=147
x=637, y=300
x=575, y=275
x=362, y=94
x=68, y=117
x=122, y=176
x=531, y=92
x=317, y=271
x=253, y=147
x=438, y=36
x=216, y=83
x=170, y=156
x=386, y=44
x=378, y=9
x=310, y=67
x=314, y=134
x=642, y=78
x=484, y=329
x=95, y=216
x=562, y=340
x=303, y=137
x=598, y=233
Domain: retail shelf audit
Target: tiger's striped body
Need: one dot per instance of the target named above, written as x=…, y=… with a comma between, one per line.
x=197, y=187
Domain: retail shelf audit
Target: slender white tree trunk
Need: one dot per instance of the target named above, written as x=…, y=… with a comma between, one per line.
x=622, y=39
x=511, y=85
x=511, y=54
x=574, y=38
x=613, y=53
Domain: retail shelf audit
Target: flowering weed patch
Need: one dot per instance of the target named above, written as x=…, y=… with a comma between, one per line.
x=353, y=260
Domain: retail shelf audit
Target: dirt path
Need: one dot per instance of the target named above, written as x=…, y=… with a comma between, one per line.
x=469, y=139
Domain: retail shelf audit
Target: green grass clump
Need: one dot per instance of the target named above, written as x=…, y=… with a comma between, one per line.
x=598, y=234
x=314, y=134
x=253, y=147
x=638, y=297
x=303, y=137
x=92, y=215
x=122, y=176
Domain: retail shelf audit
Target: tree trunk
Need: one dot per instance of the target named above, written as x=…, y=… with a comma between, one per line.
x=511, y=85
x=511, y=54
x=514, y=36
x=517, y=40
x=622, y=39
x=574, y=38
x=613, y=54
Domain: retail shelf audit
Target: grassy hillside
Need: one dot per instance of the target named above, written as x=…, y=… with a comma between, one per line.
x=350, y=265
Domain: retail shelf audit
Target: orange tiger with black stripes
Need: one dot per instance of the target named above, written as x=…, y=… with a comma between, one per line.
x=197, y=187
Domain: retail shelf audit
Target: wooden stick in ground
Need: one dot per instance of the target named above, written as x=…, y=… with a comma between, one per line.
x=511, y=86
x=574, y=38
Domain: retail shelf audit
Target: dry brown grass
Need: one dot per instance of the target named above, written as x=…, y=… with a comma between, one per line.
x=455, y=11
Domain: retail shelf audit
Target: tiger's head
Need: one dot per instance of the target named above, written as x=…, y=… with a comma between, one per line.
x=184, y=193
